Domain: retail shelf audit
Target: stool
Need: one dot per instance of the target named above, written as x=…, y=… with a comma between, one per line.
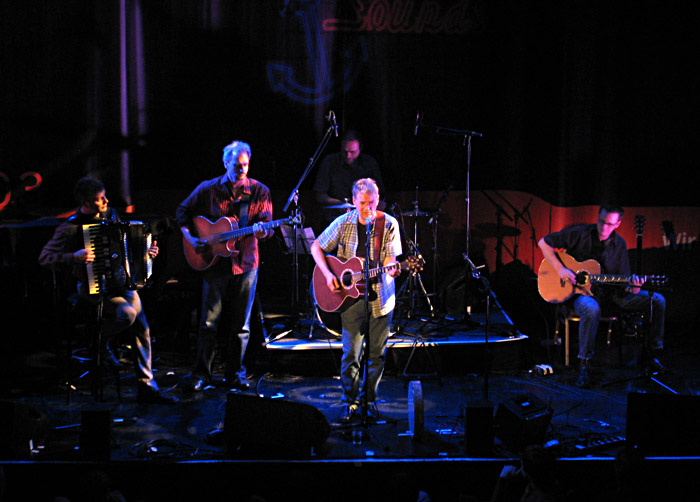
x=569, y=317
x=88, y=316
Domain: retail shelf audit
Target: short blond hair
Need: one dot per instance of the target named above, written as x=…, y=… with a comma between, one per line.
x=365, y=185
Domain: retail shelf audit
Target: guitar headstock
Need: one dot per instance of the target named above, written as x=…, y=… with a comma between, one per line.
x=657, y=280
x=414, y=264
x=639, y=222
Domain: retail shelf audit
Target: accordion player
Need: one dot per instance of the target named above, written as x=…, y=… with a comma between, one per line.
x=122, y=261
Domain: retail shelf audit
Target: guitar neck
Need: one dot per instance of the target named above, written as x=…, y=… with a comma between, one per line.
x=242, y=232
x=374, y=272
x=611, y=278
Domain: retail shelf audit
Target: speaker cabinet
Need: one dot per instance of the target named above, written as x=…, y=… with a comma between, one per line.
x=478, y=428
x=22, y=427
x=96, y=434
x=522, y=420
x=663, y=424
x=264, y=427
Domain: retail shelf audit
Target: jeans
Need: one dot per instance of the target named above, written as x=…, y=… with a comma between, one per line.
x=121, y=313
x=353, y=320
x=589, y=310
x=225, y=295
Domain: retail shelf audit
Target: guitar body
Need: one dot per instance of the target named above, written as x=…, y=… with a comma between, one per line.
x=202, y=260
x=332, y=301
x=556, y=290
x=350, y=273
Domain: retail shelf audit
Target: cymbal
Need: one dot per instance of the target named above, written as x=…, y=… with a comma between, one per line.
x=492, y=230
x=345, y=205
x=415, y=212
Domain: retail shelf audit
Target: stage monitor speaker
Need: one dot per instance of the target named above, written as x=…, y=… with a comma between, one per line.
x=22, y=428
x=521, y=421
x=663, y=424
x=478, y=428
x=265, y=427
x=96, y=434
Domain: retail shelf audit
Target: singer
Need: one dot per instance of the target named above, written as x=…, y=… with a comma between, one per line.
x=348, y=236
x=337, y=173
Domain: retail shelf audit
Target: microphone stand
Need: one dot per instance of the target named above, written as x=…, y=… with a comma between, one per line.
x=294, y=198
x=365, y=329
x=466, y=141
x=365, y=422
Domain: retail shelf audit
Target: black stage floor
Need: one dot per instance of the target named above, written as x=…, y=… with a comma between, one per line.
x=291, y=438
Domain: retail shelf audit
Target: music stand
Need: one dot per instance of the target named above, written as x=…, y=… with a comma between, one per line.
x=304, y=238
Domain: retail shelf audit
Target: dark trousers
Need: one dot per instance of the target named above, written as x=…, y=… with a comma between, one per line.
x=225, y=295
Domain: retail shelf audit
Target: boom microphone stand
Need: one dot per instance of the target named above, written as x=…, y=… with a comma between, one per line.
x=294, y=198
x=466, y=141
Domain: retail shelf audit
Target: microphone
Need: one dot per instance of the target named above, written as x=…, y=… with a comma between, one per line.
x=368, y=221
x=418, y=123
x=334, y=124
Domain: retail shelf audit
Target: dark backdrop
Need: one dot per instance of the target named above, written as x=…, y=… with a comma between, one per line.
x=576, y=100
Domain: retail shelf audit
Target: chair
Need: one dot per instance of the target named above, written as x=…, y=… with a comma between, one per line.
x=565, y=315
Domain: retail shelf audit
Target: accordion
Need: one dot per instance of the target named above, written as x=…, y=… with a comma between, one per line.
x=121, y=256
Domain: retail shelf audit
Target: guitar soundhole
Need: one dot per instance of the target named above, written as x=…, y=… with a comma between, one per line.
x=346, y=279
x=581, y=278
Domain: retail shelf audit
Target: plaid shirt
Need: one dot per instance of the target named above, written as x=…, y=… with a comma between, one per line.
x=341, y=234
x=214, y=199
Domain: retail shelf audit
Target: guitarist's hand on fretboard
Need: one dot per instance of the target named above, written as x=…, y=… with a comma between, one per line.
x=259, y=231
x=635, y=283
x=393, y=272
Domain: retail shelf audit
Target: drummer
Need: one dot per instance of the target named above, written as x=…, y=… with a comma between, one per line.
x=337, y=173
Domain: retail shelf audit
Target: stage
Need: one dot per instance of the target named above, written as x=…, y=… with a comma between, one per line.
x=289, y=436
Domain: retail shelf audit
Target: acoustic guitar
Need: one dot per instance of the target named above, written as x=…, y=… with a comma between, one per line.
x=554, y=289
x=221, y=237
x=351, y=275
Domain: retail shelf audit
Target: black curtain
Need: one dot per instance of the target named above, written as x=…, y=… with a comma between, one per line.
x=578, y=101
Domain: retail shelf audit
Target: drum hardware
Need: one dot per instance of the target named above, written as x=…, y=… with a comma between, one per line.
x=345, y=205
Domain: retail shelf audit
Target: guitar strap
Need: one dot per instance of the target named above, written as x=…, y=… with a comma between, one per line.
x=243, y=211
x=378, y=236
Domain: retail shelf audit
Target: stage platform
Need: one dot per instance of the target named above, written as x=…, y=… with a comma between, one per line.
x=294, y=443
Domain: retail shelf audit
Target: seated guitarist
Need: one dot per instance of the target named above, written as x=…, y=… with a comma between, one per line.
x=229, y=283
x=347, y=236
x=600, y=242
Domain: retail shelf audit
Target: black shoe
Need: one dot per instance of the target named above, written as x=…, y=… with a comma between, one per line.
x=350, y=413
x=657, y=367
x=584, y=378
x=655, y=364
x=108, y=359
x=150, y=395
x=236, y=384
x=196, y=384
x=215, y=437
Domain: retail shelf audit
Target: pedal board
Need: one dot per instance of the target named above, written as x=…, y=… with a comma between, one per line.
x=588, y=445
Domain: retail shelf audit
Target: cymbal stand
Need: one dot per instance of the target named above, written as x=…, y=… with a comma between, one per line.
x=433, y=222
x=407, y=291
